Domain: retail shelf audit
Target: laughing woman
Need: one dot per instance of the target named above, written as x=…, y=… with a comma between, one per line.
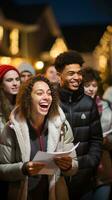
x=35, y=124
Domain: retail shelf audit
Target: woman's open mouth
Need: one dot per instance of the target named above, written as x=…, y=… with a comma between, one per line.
x=44, y=106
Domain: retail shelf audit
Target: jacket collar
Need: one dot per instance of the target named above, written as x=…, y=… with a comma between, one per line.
x=67, y=95
x=22, y=132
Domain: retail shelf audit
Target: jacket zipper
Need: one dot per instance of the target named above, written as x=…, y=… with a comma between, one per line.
x=70, y=101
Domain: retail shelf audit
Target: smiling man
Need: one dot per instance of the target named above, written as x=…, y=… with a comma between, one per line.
x=82, y=114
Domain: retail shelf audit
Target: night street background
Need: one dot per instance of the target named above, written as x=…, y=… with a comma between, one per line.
x=82, y=22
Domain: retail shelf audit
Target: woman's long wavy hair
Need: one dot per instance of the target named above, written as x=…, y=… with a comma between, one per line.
x=5, y=105
x=24, y=100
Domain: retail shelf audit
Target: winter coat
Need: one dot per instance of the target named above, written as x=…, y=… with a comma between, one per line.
x=2, y=117
x=82, y=114
x=15, y=150
x=108, y=94
x=104, y=172
x=2, y=122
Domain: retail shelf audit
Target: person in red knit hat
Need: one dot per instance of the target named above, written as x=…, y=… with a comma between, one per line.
x=9, y=87
x=5, y=68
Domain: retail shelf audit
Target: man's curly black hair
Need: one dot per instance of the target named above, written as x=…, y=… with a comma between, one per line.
x=66, y=58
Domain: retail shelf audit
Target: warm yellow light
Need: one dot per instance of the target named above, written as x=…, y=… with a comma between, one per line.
x=109, y=28
x=14, y=41
x=58, y=47
x=1, y=32
x=39, y=65
x=102, y=63
x=5, y=60
x=16, y=61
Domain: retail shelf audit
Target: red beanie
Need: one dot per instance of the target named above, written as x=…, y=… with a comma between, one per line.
x=5, y=68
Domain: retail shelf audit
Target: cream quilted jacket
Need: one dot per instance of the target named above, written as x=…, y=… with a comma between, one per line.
x=15, y=150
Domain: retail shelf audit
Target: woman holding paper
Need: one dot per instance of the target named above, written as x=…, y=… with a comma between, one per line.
x=37, y=123
x=92, y=82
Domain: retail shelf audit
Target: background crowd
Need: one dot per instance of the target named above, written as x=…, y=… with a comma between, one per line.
x=52, y=112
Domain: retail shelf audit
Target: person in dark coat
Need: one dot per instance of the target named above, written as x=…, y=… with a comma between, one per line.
x=82, y=113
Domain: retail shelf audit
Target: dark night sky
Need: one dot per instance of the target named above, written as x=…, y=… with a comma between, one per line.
x=76, y=12
x=82, y=22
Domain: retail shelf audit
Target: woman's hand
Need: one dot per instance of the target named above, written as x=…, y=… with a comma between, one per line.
x=64, y=163
x=33, y=168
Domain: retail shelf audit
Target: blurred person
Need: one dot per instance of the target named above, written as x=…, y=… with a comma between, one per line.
x=26, y=71
x=51, y=74
x=37, y=123
x=82, y=114
x=108, y=95
x=9, y=87
x=92, y=81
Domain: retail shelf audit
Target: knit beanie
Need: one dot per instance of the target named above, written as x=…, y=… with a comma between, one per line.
x=26, y=67
x=5, y=68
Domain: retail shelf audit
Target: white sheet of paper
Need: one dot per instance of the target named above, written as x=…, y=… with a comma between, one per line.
x=48, y=158
x=107, y=132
